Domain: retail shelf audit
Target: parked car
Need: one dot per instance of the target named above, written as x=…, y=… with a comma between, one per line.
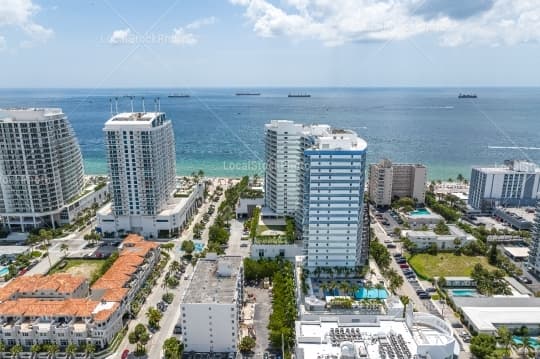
x=125, y=354
x=243, y=245
x=431, y=290
x=404, y=265
x=391, y=245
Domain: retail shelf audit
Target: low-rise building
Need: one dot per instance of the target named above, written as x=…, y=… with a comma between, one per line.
x=486, y=314
x=417, y=334
x=167, y=223
x=517, y=220
x=61, y=309
x=212, y=305
x=422, y=217
x=424, y=239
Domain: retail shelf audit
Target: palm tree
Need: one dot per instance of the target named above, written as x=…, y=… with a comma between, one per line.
x=526, y=346
x=52, y=349
x=504, y=339
x=175, y=266
x=317, y=272
x=324, y=287
x=345, y=287
x=16, y=350
x=379, y=287
x=89, y=349
x=154, y=316
x=71, y=349
x=36, y=348
x=64, y=248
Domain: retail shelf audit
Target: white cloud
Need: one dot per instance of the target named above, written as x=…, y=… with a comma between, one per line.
x=182, y=37
x=197, y=24
x=335, y=22
x=20, y=14
x=185, y=36
x=121, y=37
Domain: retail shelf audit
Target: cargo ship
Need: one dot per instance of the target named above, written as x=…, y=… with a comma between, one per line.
x=299, y=95
x=248, y=94
x=464, y=95
x=179, y=95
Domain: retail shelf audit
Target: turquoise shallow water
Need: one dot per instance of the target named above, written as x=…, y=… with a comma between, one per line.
x=223, y=134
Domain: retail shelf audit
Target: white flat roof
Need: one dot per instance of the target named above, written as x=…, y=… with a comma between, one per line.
x=485, y=318
x=368, y=331
x=519, y=252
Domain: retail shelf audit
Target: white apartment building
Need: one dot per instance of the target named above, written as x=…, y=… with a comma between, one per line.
x=60, y=309
x=333, y=199
x=211, y=307
x=142, y=169
x=284, y=142
x=534, y=249
x=41, y=167
x=388, y=180
x=515, y=184
x=449, y=242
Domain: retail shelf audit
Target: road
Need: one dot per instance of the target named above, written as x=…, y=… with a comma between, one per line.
x=430, y=306
x=171, y=315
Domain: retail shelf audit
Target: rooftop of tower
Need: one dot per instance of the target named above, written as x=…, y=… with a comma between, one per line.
x=144, y=119
x=28, y=114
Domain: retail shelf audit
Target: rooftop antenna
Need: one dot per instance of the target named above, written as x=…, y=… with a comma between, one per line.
x=131, y=100
x=143, y=110
x=158, y=105
x=110, y=105
x=116, y=104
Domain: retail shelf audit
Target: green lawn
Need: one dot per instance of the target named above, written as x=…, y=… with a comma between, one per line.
x=82, y=267
x=445, y=264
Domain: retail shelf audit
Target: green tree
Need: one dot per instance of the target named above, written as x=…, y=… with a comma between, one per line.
x=483, y=345
x=154, y=316
x=71, y=349
x=36, y=348
x=52, y=349
x=492, y=254
x=90, y=349
x=247, y=344
x=16, y=350
x=172, y=348
x=139, y=337
x=441, y=228
x=64, y=248
x=188, y=246
x=504, y=338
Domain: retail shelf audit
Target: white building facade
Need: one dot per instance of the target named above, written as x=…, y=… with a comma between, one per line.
x=212, y=305
x=332, y=205
x=40, y=165
x=514, y=185
x=284, y=142
x=142, y=169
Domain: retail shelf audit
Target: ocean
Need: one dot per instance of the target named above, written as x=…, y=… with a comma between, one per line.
x=222, y=134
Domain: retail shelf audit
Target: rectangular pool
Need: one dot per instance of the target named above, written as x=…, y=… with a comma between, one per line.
x=419, y=212
x=464, y=292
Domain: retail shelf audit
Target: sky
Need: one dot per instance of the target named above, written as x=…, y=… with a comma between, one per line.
x=250, y=43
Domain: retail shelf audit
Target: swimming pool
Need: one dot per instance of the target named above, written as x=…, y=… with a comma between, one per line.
x=464, y=292
x=3, y=271
x=534, y=341
x=371, y=293
x=199, y=247
x=419, y=212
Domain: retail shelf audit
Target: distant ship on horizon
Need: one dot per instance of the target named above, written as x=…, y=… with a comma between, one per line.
x=464, y=95
x=248, y=94
x=179, y=95
x=299, y=95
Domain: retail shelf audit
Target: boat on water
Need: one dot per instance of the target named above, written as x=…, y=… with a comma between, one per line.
x=248, y=94
x=179, y=95
x=465, y=95
x=299, y=95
